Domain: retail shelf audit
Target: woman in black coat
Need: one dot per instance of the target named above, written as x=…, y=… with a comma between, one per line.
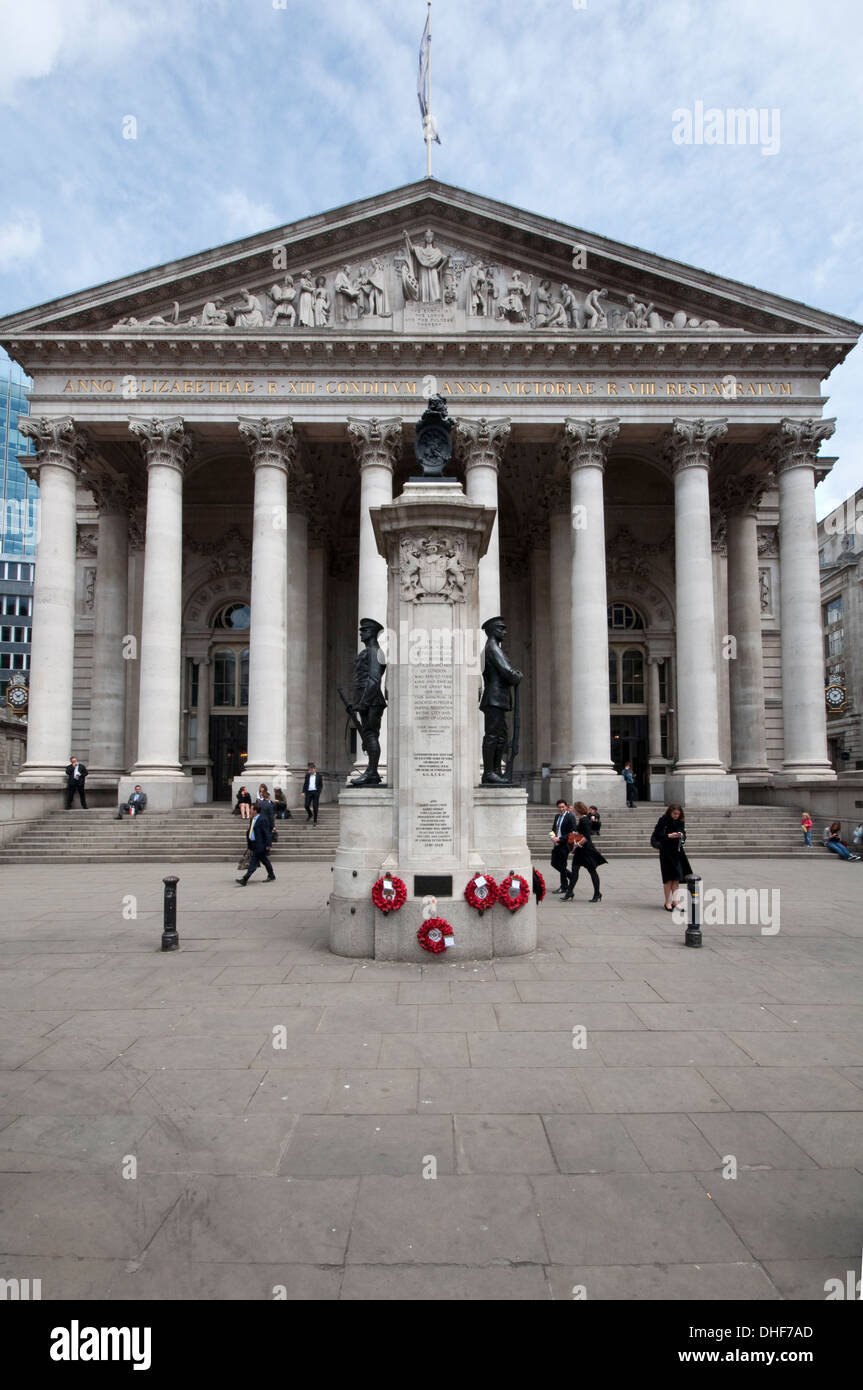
x=585, y=856
x=669, y=837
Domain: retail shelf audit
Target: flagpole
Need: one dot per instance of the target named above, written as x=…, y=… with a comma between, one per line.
x=428, y=103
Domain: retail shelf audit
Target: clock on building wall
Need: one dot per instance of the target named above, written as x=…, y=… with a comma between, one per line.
x=835, y=697
x=17, y=695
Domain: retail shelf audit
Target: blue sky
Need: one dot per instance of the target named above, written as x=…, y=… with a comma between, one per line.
x=251, y=113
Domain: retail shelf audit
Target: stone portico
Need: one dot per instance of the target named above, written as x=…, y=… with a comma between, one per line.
x=210, y=445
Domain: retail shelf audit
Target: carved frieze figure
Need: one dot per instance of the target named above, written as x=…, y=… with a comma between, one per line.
x=373, y=283
x=426, y=265
x=249, y=314
x=638, y=314
x=347, y=297
x=548, y=312
x=369, y=701
x=214, y=314
x=306, y=301
x=499, y=679
x=594, y=309
x=322, y=303
x=479, y=291
x=283, y=297
x=570, y=307
x=154, y=321
x=514, y=305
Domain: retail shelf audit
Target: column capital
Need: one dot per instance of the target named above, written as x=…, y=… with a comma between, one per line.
x=377, y=443
x=166, y=442
x=273, y=443
x=58, y=442
x=796, y=442
x=481, y=443
x=692, y=443
x=741, y=495
x=586, y=443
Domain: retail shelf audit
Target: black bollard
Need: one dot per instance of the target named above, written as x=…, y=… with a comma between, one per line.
x=693, y=923
x=170, y=939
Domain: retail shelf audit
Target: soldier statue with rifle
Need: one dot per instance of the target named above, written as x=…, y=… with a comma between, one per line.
x=369, y=702
x=499, y=681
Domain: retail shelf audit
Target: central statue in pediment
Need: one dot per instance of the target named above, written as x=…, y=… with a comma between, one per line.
x=422, y=274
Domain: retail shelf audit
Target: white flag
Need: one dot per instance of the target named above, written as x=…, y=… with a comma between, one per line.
x=429, y=126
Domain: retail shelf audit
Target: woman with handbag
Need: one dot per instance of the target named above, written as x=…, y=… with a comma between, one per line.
x=585, y=855
x=669, y=837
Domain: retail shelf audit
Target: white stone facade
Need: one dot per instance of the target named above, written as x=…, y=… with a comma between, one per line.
x=208, y=452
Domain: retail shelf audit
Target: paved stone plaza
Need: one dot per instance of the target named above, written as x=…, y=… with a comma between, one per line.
x=301, y=1168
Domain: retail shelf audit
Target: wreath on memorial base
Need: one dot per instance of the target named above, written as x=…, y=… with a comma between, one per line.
x=481, y=896
x=511, y=900
x=389, y=893
x=538, y=885
x=435, y=935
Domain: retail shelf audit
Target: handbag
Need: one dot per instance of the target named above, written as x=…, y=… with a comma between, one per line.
x=275, y=836
x=575, y=840
x=245, y=859
x=655, y=842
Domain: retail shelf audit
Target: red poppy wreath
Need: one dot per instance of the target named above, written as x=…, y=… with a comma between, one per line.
x=389, y=894
x=513, y=892
x=481, y=892
x=435, y=935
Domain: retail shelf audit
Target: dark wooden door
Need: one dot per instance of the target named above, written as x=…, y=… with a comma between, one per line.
x=228, y=746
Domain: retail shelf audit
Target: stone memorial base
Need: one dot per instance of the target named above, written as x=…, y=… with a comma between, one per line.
x=359, y=929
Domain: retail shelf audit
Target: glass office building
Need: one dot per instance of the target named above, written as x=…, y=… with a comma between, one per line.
x=18, y=526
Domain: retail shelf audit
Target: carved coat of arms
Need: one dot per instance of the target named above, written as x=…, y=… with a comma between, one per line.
x=432, y=570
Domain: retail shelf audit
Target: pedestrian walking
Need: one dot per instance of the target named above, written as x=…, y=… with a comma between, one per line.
x=260, y=839
x=806, y=827
x=669, y=837
x=312, y=792
x=585, y=855
x=267, y=809
x=563, y=826
x=76, y=776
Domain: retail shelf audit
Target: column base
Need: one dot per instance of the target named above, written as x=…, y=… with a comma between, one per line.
x=699, y=789
x=596, y=786
x=165, y=789
x=42, y=772
x=748, y=775
x=808, y=772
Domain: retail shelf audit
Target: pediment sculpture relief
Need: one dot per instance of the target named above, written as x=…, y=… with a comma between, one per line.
x=421, y=283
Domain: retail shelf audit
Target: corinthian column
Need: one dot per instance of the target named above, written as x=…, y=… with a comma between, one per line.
x=273, y=447
x=108, y=701
x=699, y=777
x=794, y=449
x=740, y=499
x=377, y=446
x=300, y=507
x=560, y=624
x=584, y=451
x=480, y=445
x=60, y=449
x=167, y=449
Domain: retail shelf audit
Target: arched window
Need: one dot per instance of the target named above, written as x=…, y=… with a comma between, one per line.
x=234, y=617
x=623, y=618
x=632, y=682
x=612, y=678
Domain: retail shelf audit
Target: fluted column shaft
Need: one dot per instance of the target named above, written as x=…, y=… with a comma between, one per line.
x=748, y=730
x=202, y=713
x=795, y=449
x=297, y=644
x=654, y=717
x=560, y=608
x=108, y=702
x=52, y=650
x=481, y=444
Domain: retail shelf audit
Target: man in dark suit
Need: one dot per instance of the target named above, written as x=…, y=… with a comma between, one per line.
x=134, y=806
x=76, y=775
x=260, y=839
x=312, y=792
x=266, y=808
x=564, y=822
x=498, y=679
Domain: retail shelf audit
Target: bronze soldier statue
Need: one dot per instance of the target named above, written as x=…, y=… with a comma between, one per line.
x=498, y=681
x=369, y=701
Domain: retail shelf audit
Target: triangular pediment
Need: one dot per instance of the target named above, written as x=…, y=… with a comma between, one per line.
x=370, y=267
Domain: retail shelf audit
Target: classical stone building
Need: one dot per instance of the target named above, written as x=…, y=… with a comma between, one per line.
x=211, y=434
x=840, y=552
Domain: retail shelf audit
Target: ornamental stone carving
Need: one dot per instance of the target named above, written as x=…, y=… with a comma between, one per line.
x=376, y=442
x=740, y=494
x=58, y=442
x=432, y=569
x=768, y=542
x=796, y=443
x=692, y=443
x=166, y=443
x=586, y=443
x=272, y=442
x=481, y=443
x=422, y=276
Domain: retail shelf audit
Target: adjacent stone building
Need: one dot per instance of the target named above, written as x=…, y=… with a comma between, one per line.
x=840, y=553
x=211, y=435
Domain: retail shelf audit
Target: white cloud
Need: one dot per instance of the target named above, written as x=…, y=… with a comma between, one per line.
x=20, y=239
x=242, y=215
